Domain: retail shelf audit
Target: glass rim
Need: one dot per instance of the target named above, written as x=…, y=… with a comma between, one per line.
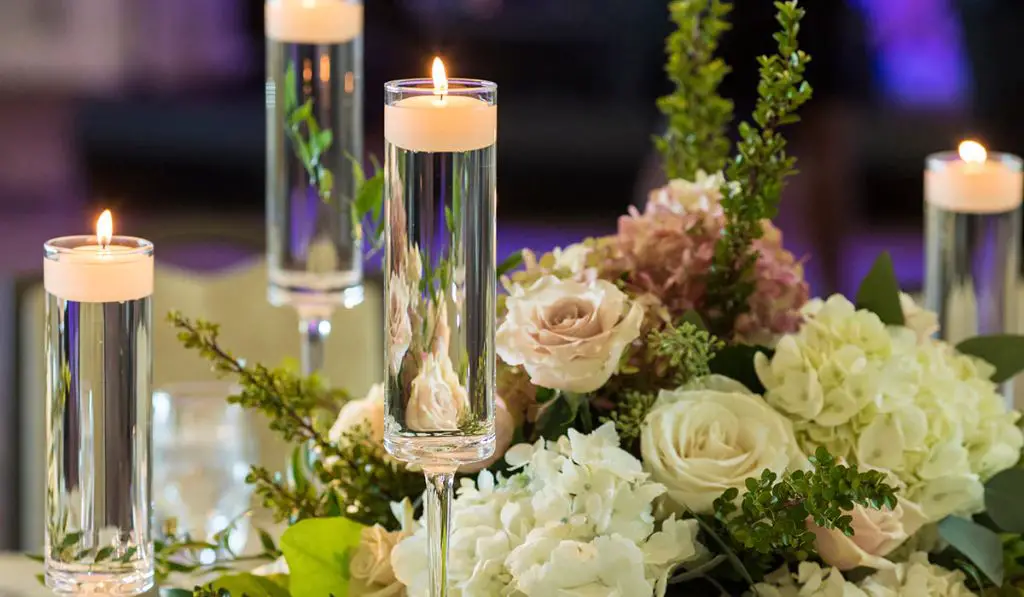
x=939, y=160
x=67, y=244
x=425, y=86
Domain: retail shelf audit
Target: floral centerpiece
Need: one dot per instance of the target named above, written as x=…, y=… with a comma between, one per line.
x=676, y=416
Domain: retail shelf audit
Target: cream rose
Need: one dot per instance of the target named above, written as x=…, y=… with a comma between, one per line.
x=876, y=533
x=368, y=411
x=399, y=327
x=371, y=564
x=568, y=335
x=437, y=399
x=699, y=442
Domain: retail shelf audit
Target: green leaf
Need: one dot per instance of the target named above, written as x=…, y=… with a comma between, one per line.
x=510, y=263
x=301, y=114
x=290, y=98
x=1003, y=500
x=267, y=541
x=880, y=293
x=175, y=593
x=104, y=553
x=556, y=419
x=324, y=140
x=545, y=395
x=250, y=585
x=978, y=544
x=297, y=471
x=736, y=361
x=326, y=180
x=71, y=539
x=692, y=317
x=1003, y=351
x=318, y=551
x=370, y=196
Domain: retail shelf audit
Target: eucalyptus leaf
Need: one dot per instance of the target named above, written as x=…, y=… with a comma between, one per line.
x=1003, y=500
x=318, y=551
x=880, y=293
x=979, y=545
x=250, y=585
x=1005, y=352
x=736, y=361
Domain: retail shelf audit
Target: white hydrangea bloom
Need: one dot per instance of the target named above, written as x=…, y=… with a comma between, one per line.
x=810, y=580
x=892, y=398
x=578, y=519
x=914, y=578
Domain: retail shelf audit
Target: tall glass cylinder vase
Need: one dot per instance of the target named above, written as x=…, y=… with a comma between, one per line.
x=98, y=536
x=973, y=243
x=314, y=144
x=440, y=285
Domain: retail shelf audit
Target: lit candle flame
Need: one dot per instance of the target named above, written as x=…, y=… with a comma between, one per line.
x=105, y=228
x=973, y=152
x=440, y=78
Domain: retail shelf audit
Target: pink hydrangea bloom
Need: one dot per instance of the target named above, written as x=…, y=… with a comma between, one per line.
x=667, y=251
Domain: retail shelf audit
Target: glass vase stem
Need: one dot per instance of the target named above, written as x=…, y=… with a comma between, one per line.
x=440, y=491
x=314, y=330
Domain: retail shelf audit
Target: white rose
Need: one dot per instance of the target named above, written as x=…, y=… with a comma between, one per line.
x=698, y=443
x=923, y=322
x=876, y=533
x=399, y=326
x=568, y=335
x=368, y=411
x=437, y=399
x=371, y=564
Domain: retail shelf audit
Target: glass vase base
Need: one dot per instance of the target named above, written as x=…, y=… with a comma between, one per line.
x=322, y=297
x=67, y=582
x=440, y=450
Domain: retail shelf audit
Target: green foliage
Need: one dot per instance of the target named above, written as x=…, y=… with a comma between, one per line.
x=879, y=292
x=736, y=361
x=1003, y=500
x=558, y=416
x=630, y=413
x=761, y=166
x=309, y=142
x=354, y=477
x=180, y=553
x=772, y=514
x=318, y=552
x=698, y=118
x=685, y=350
x=242, y=585
x=1003, y=351
x=981, y=546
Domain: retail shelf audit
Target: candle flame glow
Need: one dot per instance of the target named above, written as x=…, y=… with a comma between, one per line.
x=440, y=77
x=973, y=152
x=105, y=228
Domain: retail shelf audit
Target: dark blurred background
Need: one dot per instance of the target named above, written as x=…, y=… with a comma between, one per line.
x=155, y=108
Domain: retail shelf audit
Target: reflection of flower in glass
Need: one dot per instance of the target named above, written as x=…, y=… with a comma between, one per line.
x=437, y=399
x=398, y=325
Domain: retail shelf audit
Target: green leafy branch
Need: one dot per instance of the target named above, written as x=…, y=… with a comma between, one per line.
x=698, y=118
x=771, y=519
x=353, y=477
x=761, y=166
x=311, y=143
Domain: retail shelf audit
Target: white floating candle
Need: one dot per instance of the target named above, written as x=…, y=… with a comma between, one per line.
x=441, y=122
x=114, y=269
x=313, y=21
x=974, y=183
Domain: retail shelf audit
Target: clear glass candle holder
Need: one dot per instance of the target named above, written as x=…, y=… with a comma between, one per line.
x=440, y=284
x=314, y=110
x=98, y=537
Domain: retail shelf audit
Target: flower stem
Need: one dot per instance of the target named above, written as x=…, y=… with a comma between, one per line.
x=440, y=490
